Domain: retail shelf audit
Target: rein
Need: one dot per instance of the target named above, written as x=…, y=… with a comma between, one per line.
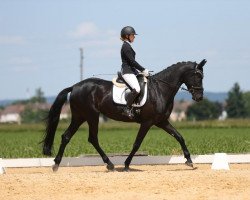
x=95, y=75
x=169, y=84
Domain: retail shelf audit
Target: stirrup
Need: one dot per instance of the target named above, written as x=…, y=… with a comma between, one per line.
x=128, y=112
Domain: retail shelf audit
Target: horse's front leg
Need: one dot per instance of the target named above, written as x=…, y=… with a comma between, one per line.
x=165, y=125
x=139, y=138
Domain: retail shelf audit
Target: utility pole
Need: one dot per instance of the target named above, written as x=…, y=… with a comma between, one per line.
x=81, y=64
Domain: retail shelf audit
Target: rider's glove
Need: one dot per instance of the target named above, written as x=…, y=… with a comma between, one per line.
x=145, y=72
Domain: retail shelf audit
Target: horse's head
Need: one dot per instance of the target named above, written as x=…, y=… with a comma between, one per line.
x=193, y=80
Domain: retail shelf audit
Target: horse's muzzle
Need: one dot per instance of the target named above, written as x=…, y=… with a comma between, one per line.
x=197, y=97
x=197, y=93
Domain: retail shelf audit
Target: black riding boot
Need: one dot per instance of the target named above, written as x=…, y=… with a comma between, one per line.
x=130, y=100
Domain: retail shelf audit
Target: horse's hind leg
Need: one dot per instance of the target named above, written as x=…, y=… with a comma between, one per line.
x=68, y=134
x=93, y=139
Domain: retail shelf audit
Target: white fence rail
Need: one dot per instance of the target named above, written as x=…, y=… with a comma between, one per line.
x=118, y=160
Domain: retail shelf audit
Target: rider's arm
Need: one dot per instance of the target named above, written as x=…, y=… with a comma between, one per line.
x=131, y=61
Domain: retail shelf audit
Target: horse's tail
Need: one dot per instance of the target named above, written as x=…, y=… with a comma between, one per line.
x=52, y=120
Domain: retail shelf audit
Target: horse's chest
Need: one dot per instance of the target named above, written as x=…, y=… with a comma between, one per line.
x=161, y=107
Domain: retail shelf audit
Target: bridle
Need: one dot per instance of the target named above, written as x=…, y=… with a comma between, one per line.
x=193, y=88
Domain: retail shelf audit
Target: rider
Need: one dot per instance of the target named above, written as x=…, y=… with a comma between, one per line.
x=130, y=67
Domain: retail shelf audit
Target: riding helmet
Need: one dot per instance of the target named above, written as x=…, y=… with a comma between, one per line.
x=127, y=30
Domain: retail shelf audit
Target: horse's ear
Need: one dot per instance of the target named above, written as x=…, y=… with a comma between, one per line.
x=201, y=64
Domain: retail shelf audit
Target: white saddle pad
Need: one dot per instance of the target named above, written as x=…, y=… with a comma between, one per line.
x=119, y=95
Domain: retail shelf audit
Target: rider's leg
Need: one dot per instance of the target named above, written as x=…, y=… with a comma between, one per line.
x=131, y=98
x=133, y=82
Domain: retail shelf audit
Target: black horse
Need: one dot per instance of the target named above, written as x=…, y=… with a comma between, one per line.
x=93, y=96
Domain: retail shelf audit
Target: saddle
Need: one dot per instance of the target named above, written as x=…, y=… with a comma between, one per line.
x=121, y=89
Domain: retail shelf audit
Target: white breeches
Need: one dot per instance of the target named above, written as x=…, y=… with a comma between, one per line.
x=132, y=81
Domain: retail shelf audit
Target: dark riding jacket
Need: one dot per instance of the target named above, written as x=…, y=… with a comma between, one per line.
x=129, y=65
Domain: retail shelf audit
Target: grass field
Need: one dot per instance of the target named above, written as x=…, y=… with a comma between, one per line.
x=115, y=137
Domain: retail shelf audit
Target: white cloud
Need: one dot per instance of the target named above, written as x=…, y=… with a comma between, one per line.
x=101, y=42
x=102, y=47
x=91, y=34
x=11, y=40
x=85, y=29
x=98, y=42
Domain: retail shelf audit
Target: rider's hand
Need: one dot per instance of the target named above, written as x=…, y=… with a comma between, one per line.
x=145, y=72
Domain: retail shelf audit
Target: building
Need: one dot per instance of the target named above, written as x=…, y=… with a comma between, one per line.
x=179, y=112
x=12, y=114
x=65, y=112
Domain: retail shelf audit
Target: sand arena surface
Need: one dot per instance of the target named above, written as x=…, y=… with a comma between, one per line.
x=142, y=182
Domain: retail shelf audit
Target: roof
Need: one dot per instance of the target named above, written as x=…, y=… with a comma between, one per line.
x=12, y=109
x=39, y=106
x=18, y=108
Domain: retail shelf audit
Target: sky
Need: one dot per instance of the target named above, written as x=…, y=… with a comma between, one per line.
x=40, y=41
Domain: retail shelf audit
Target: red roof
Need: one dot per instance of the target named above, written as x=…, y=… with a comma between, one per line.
x=39, y=106
x=18, y=108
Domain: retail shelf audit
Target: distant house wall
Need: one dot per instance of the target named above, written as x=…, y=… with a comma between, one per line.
x=179, y=110
x=65, y=112
x=10, y=118
x=64, y=116
x=178, y=116
x=12, y=114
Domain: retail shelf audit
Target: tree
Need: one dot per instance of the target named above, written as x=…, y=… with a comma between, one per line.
x=246, y=97
x=236, y=107
x=204, y=110
x=30, y=115
x=39, y=97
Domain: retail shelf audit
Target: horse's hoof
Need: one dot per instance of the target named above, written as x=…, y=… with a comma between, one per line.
x=190, y=164
x=110, y=167
x=126, y=169
x=55, y=167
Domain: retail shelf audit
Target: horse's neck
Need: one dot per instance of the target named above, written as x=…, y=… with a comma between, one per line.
x=174, y=74
x=171, y=78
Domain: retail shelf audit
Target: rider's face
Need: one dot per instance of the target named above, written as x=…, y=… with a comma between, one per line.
x=131, y=38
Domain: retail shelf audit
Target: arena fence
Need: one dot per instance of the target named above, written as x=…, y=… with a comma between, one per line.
x=92, y=160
